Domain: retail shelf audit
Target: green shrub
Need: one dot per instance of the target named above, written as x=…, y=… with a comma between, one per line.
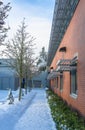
x=64, y=117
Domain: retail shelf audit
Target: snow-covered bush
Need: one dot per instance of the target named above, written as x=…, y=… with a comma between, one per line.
x=10, y=97
x=64, y=117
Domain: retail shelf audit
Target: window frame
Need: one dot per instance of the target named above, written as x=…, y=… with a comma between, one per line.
x=61, y=81
x=73, y=83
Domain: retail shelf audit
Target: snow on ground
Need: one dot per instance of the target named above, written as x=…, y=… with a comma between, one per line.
x=31, y=113
x=4, y=94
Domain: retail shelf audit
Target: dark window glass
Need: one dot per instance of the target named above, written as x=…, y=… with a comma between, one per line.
x=73, y=75
x=57, y=82
x=61, y=82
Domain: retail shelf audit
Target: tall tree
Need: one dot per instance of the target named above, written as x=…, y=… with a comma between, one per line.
x=42, y=60
x=29, y=64
x=20, y=51
x=4, y=9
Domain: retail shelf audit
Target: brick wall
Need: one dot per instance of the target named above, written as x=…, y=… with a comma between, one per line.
x=74, y=40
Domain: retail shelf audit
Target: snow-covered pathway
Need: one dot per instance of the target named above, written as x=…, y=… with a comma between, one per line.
x=32, y=113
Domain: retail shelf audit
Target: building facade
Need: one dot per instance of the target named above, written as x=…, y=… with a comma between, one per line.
x=9, y=78
x=67, y=52
x=40, y=80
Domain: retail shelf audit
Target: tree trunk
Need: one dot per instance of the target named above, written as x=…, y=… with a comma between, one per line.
x=26, y=85
x=20, y=89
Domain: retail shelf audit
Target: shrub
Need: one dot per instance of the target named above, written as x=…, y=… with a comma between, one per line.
x=64, y=117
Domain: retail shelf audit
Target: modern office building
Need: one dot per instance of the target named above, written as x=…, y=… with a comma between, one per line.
x=66, y=54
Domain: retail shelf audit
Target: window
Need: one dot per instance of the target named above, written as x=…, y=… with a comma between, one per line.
x=54, y=82
x=61, y=82
x=73, y=77
x=57, y=82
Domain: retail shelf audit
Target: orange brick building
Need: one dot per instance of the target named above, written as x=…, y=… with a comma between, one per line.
x=66, y=54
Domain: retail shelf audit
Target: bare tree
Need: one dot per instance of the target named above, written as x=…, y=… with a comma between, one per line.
x=20, y=51
x=4, y=9
x=28, y=66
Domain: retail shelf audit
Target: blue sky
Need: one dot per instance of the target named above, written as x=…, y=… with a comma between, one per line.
x=38, y=14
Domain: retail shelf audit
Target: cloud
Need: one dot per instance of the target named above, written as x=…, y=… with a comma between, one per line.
x=40, y=28
x=38, y=19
